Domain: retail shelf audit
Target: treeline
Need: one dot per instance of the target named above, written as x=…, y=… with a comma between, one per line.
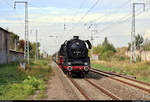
x=106, y=51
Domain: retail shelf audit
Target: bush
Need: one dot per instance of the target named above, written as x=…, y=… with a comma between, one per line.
x=120, y=58
x=16, y=84
x=106, y=55
x=105, y=51
x=22, y=90
x=138, y=59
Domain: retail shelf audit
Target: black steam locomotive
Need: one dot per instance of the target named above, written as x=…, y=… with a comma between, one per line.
x=73, y=57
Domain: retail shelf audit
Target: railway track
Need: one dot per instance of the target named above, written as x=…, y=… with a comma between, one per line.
x=101, y=89
x=125, y=80
x=105, y=92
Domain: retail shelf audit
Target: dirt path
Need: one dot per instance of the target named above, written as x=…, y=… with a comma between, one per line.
x=58, y=88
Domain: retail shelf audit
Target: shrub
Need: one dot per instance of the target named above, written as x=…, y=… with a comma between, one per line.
x=106, y=55
x=33, y=82
x=105, y=51
x=120, y=58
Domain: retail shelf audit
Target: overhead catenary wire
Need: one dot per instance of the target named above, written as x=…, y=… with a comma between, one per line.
x=89, y=10
x=81, y=5
x=125, y=19
x=117, y=9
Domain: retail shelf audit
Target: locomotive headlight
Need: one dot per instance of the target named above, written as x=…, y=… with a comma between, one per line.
x=85, y=63
x=69, y=63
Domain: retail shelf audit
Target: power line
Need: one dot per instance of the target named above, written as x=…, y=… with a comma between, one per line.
x=101, y=17
x=81, y=5
x=125, y=19
x=86, y=13
x=120, y=7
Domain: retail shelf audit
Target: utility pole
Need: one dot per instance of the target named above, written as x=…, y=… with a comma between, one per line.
x=133, y=36
x=26, y=41
x=64, y=25
x=92, y=43
x=93, y=31
x=36, y=51
x=15, y=44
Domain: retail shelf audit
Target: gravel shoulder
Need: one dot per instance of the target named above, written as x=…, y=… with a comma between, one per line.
x=58, y=87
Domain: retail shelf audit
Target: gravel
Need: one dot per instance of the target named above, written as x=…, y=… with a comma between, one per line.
x=121, y=90
x=58, y=88
x=92, y=92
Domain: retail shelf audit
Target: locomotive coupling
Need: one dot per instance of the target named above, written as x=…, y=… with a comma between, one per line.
x=69, y=68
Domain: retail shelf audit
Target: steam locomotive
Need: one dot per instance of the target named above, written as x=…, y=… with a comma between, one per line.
x=73, y=57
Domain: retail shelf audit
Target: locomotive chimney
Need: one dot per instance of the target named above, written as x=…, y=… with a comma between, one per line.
x=75, y=37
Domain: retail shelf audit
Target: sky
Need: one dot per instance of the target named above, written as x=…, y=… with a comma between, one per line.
x=109, y=18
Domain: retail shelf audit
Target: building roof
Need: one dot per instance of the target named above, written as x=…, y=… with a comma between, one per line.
x=4, y=30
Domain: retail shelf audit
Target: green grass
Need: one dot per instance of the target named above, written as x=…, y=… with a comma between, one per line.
x=40, y=69
x=140, y=70
x=17, y=84
x=10, y=74
x=102, y=67
x=111, y=69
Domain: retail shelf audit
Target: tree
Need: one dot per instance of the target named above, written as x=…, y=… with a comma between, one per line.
x=105, y=50
x=106, y=46
x=21, y=45
x=105, y=43
x=139, y=41
x=129, y=46
x=32, y=48
x=97, y=49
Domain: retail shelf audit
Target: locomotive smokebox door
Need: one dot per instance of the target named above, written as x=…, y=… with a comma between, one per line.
x=75, y=37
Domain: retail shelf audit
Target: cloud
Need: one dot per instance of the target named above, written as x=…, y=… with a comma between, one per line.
x=50, y=20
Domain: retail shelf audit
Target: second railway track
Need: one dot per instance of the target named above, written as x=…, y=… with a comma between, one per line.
x=128, y=81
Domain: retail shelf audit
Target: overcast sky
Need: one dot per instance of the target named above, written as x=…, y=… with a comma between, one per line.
x=112, y=19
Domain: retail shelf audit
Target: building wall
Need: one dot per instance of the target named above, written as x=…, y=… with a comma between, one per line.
x=15, y=56
x=7, y=55
x=4, y=46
